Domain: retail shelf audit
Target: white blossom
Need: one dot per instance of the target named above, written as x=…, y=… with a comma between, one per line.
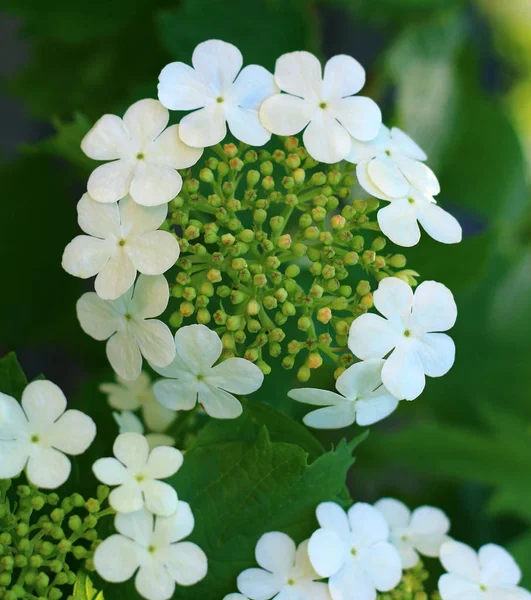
x=353, y=551
x=286, y=572
x=391, y=163
x=322, y=104
x=145, y=156
x=423, y=530
x=152, y=548
x=122, y=239
x=128, y=325
x=235, y=596
x=490, y=574
x=137, y=473
x=193, y=378
x=221, y=91
x=128, y=422
x=37, y=435
x=138, y=394
x=362, y=398
x=409, y=330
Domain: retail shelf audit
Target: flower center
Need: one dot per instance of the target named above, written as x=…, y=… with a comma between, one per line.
x=128, y=316
x=353, y=551
x=388, y=152
x=139, y=478
x=411, y=200
x=407, y=333
x=140, y=156
x=121, y=243
x=151, y=549
x=291, y=582
x=483, y=587
x=34, y=439
x=219, y=99
x=322, y=105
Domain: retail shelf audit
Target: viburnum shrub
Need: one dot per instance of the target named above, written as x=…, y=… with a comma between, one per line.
x=265, y=215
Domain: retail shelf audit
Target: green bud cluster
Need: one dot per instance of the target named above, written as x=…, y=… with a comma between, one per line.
x=45, y=540
x=269, y=237
x=411, y=586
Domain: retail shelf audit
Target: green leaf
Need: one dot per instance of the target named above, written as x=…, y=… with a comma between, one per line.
x=12, y=378
x=84, y=590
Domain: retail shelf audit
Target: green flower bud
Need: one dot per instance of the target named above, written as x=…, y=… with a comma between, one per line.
x=91, y=534
x=176, y=320
x=5, y=579
x=203, y=316
x=5, y=539
x=316, y=269
x=47, y=548
x=326, y=238
x=23, y=491
x=299, y=249
x=237, y=297
x=305, y=220
x=332, y=203
x=251, y=156
x=230, y=150
x=56, y=566
x=252, y=354
x=314, y=360
x=357, y=243
x=288, y=309
x=35, y=561
x=79, y=552
x=398, y=261
x=279, y=156
x=280, y=318
x=311, y=233
x=276, y=223
x=253, y=326
x=366, y=302
x=253, y=307
x=234, y=322
x=304, y=323
x=20, y=561
x=55, y=594
x=266, y=168
x=328, y=272
x=316, y=291
x=24, y=545
x=223, y=168
x=186, y=309
x=206, y=175
x=275, y=349
x=259, y=216
x=268, y=183
x=304, y=373
x=318, y=179
x=52, y=499
x=61, y=579
x=288, y=362
x=236, y=164
x=351, y=258
x=264, y=367
x=212, y=163
x=22, y=530
x=372, y=205
x=223, y=291
x=270, y=302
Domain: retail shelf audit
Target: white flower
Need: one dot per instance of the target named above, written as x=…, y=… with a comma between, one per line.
x=122, y=240
x=128, y=325
x=323, y=103
x=222, y=96
x=38, y=434
x=153, y=549
x=194, y=378
x=390, y=164
x=286, y=572
x=128, y=422
x=361, y=398
x=353, y=552
x=408, y=331
x=145, y=156
x=136, y=471
x=138, y=394
x=235, y=597
x=422, y=531
x=490, y=574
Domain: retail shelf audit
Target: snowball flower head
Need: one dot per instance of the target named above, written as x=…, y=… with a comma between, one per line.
x=122, y=239
x=352, y=550
x=410, y=332
x=223, y=93
x=136, y=471
x=38, y=434
x=128, y=422
x=422, y=531
x=128, y=325
x=391, y=163
x=286, y=572
x=324, y=104
x=490, y=574
x=138, y=394
x=144, y=155
x=193, y=378
x=361, y=398
x=153, y=549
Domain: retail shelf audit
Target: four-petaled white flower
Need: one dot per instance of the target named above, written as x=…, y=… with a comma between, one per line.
x=138, y=394
x=362, y=398
x=324, y=104
x=137, y=471
x=128, y=325
x=410, y=330
x=145, y=156
x=153, y=549
x=353, y=552
x=490, y=574
x=193, y=378
x=286, y=572
x=128, y=422
x=38, y=434
x=391, y=163
x=122, y=240
x=221, y=96
x=424, y=530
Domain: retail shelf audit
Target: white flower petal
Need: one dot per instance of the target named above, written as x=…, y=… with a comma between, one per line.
x=362, y=173
x=360, y=379
x=153, y=184
x=364, y=151
x=108, y=139
x=332, y=417
x=186, y=563
x=48, y=468
x=175, y=395
x=434, y=307
x=325, y=139
x=393, y=298
x=116, y=277
x=367, y=524
x=498, y=567
x=116, y=558
x=409, y=556
x=128, y=422
x=403, y=373
x=343, y=76
x=275, y=552
x=124, y=355
x=398, y=221
x=43, y=402
x=258, y=584
x=419, y=175
x=137, y=219
x=387, y=177
x=174, y=528
x=316, y=396
x=245, y=125
x=437, y=354
x=204, y=127
x=169, y=149
x=151, y=296
x=13, y=421
x=252, y=86
x=459, y=559
x=97, y=219
x=155, y=341
x=182, y=88
x=283, y=114
x=137, y=525
x=110, y=471
x=154, y=253
x=132, y=450
x=218, y=62
x=111, y=181
x=396, y=514
x=439, y=224
x=326, y=552
x=236, y=375
x=455, y=587
x=72, y=433
x=235, y=597
x=303, y=567
x=351, y=583
x=375, y=407
x=331, y=516
x=360, y=116
x=198, y=346
x=127, y=498
x=219, y=404
x=145, y=120
x=13, y=457
x=299, y=73
x=163, y=463
x=86, y=256
x=403, y=144
x=159, y=497
x=383, y=565
x=371, y=336
x=153, y=582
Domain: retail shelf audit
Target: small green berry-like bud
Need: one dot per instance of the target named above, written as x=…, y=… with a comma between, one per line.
x=314, y=360
x=316, y=291
x=304, y=323
x=251, y=156
x=318, y=214
x=259, y=216
x=24, y=545
x=23, y=491
x=276, y=223
x=20, y=561
x=55, y=594
x=22, y=530
x=363, y=287
x=338, y=222
x=317, y=179
x=253, y=307
x=324, y=315
x=186, y=309
x=304, y=373
x=206, y=175
x=5, y=539
x=61, y=579
x=288, y=362
x=281, y=294
x=5, y=580
x=52, y=499
x=351, y=258
x=299, y=249
x=203, y=316
x=236, y=164
x=366, y=302
x=270, y=302
x=35, y=561
x=266, y=168
x=288, y=309
x=305, y=220
x=328, y=272
x=214, y=276
x=234, y=322
x=398, y=261
x=284, y=241
x=268, y=183
x=311, y=233
x=237, y=297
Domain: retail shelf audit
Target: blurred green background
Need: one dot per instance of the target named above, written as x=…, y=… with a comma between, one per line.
x=454, y=74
